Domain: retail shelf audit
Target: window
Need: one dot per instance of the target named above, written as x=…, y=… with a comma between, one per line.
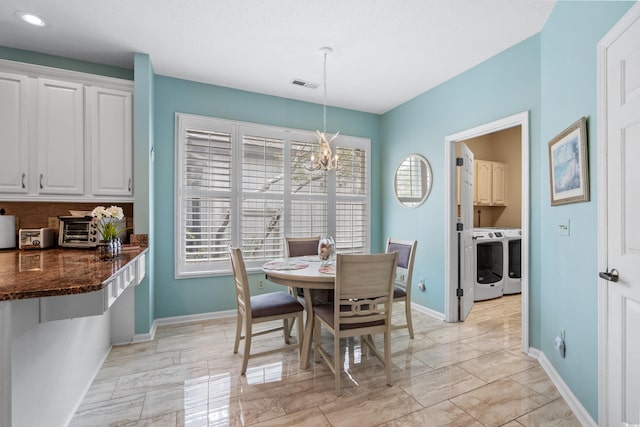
x=247, y=185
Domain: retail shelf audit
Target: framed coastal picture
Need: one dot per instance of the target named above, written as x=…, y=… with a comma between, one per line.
x=569, y=165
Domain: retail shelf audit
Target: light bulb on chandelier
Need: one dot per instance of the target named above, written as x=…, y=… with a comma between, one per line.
x=326, y=159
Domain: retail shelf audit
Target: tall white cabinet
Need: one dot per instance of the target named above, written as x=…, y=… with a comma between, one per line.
x=14, y=161
x=66, y=136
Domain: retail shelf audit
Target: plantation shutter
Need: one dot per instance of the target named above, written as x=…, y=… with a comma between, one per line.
x=262, y=195
x=207, y=191
x=352, y=218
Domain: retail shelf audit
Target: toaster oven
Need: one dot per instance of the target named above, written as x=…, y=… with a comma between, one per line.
x=78, y=232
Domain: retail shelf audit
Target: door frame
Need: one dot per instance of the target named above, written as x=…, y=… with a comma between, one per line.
x=451, y=209
x=602, y=146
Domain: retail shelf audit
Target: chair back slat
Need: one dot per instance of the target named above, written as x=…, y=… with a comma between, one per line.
x=364, y=287
x=243, y=296
x=406, y=254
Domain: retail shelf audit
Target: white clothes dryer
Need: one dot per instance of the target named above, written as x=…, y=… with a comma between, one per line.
x=512, y=260
x=488, y=263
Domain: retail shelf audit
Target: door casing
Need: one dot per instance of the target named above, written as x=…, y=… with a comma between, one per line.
x=451, y=209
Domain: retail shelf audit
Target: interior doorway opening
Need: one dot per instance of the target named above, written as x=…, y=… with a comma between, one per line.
x=512, y=211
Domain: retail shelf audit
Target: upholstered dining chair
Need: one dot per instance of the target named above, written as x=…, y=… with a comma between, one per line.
x=259, y=309
x=404, y=270
x=362, y=307
x=300, y=246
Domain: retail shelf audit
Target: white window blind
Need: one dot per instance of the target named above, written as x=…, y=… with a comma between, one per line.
x=247, y=185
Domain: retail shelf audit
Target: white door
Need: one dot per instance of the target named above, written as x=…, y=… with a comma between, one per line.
x=465, y=242
x=621, y=209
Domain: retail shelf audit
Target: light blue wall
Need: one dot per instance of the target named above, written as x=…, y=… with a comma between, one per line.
x=569, y=298
x=190, y=296
x=553, y=75
x=504, y=85
x=29, y=57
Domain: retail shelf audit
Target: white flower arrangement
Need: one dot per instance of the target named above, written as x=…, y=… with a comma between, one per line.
x=108, y=221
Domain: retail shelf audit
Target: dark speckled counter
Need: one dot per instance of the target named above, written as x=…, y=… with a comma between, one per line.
x=52, y=272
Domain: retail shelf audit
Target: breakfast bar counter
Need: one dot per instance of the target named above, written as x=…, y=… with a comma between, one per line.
x=61, y=310
x=54, y=272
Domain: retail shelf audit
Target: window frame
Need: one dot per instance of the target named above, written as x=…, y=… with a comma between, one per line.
x=184, y=121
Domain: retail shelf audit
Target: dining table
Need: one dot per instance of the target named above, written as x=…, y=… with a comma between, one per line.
x=307, y=273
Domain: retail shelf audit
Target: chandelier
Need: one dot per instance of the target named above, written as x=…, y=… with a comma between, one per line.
x=326, y=159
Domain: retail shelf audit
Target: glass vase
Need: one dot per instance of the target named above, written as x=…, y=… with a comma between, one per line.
x=326, y=250
x=106, y=250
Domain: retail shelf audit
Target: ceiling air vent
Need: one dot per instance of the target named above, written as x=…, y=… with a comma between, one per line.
x=303, y=83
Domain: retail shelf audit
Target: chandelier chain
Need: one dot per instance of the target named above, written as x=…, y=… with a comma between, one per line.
x=324, y=86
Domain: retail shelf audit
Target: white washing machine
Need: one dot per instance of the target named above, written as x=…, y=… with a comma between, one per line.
x=512, y=260
x=488, y=263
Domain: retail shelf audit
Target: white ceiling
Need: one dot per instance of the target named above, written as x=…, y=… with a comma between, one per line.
x=385, y=51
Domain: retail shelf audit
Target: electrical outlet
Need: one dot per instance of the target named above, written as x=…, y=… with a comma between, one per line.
x=260, y=284
x=421, y=286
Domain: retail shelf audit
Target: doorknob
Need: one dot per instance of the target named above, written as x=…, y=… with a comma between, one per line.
x=611, y=275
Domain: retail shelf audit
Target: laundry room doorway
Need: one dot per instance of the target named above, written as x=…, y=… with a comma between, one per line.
x=499, y=259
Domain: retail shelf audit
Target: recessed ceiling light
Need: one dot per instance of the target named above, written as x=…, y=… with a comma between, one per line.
x=32, y=19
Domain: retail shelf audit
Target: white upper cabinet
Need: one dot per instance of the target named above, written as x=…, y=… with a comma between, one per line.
x=64, y=135
x=110, y=133
x=14, y=161
x=60, y=137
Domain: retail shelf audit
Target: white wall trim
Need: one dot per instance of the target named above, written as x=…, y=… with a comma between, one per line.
x=37, y=71
x=520, y=119
x=428, y=311
x=574, y=404
x=189, y=318
x=602, y=125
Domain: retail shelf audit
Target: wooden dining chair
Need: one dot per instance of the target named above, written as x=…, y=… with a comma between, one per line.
x=259, y=309
x=301, y=246
x=404, y=270
x=362, y=307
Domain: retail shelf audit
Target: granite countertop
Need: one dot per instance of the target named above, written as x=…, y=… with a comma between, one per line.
x=50, y=272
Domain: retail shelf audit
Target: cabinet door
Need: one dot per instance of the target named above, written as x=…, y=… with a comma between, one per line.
x=499, y=182
x=13, y=134
x=111, y=141
x=484, y=174
x=60, y=137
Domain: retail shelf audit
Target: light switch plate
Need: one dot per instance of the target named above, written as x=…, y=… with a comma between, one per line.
x=563, y=228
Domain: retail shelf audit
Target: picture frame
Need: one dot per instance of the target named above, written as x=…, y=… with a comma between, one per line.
x=569, y=165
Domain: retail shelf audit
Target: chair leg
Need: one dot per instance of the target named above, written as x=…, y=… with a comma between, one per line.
x=300, y=333
x=238, y=333
x=336, y=361
x=407, y=308
x=317, y=332
x=286, y=330
x=247, y=349
x=387, y=357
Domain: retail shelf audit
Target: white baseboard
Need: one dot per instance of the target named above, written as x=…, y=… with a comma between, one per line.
x=429, y=312
x=574, y=404
x=190, y=318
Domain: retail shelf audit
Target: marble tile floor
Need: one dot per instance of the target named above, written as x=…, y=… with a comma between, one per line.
x=465, y=374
